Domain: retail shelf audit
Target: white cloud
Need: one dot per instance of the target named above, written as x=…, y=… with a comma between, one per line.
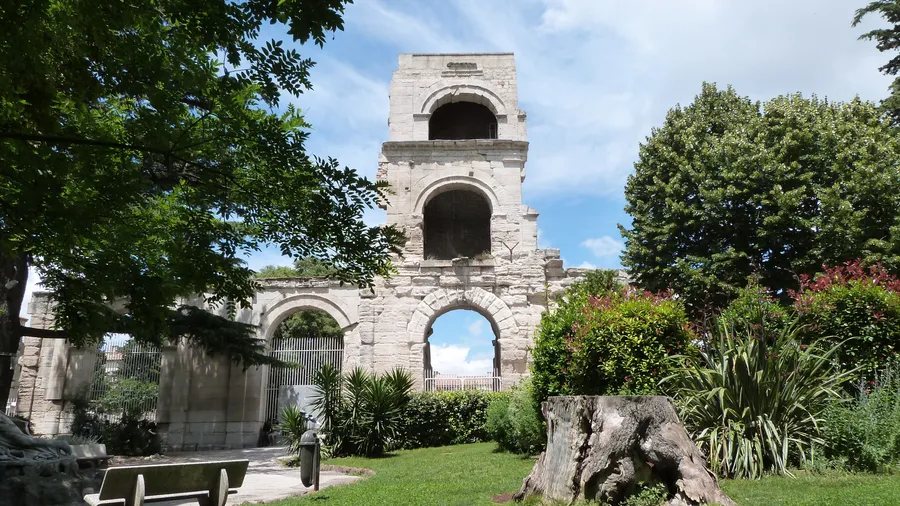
x=476, y=327
x=596, y=75
x=586, y=265
x=604, y=246
x=453, y=359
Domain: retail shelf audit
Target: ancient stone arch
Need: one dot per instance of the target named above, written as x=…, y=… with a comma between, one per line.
x=273, y=316
x=209, y=402
x=435, y=185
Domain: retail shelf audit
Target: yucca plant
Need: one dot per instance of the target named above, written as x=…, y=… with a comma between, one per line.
x=754, y=399
x=360, y=412
x=292, y=425
x=328, y=385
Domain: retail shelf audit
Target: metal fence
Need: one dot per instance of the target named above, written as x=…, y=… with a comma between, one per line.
x=309, y=354
x=125, y=379
x=435, y=382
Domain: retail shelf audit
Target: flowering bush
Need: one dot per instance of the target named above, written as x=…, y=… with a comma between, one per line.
x=614, y=342
x=855, y=302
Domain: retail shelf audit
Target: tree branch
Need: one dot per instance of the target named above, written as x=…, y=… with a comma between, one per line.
x=42, y=333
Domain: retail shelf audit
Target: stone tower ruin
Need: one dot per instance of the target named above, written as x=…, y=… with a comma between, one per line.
x=455, y=160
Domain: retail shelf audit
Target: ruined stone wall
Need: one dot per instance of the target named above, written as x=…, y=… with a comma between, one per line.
x=208, y=402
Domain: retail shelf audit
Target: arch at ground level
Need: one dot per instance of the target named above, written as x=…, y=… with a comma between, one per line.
x=497, y=312
x=272, y=318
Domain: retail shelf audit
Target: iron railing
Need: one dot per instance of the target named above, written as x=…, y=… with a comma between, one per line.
x=435, y=382
x=308, y=354
x=125, y=379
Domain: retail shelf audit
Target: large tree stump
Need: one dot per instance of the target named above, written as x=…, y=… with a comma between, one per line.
x=601, y=448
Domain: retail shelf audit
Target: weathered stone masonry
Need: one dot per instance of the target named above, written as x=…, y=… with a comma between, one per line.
x=210, y=403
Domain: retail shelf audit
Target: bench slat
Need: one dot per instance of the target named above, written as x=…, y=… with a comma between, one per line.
x=163, y=479
x=94, y=499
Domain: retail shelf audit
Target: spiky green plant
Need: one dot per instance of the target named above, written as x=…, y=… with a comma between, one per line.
x=754, y=399
x=292, y=425
x=360, y=411
x=327, y=402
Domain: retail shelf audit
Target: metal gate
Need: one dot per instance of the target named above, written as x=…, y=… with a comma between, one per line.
x=126, y=378
x=309, y=354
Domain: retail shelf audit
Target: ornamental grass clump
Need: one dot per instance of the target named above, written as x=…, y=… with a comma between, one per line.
x=754, y=400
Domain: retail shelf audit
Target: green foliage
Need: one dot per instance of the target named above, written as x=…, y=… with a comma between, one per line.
x=445, y=418
x=887, y=39
x=754, y=309
x=514, y=421
x=306, y=267
x=863, y=434
x=755, y=401
x=309, y=323
x=617, y=343
x=360, y=413
x=145, y=154
x=647, y=495
x=728, y=188
x=131, y=437
x=858, y=303
x=133, y=387
x=292, y=425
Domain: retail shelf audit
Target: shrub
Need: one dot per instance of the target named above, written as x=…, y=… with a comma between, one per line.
x=615, y=342
x=863, y=434
x=130, y=436
x=445, y=418
x=754, y=401
x=754, y=308
x=360, y=412
x=514, y=421
x=853, y=301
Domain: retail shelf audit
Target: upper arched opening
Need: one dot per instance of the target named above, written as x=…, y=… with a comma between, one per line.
x=457, y=224
x=462, y=120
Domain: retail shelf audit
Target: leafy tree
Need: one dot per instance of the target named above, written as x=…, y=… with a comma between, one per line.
x=144, y=150
x=888, y=39
x=728, y=188
x=305, y=267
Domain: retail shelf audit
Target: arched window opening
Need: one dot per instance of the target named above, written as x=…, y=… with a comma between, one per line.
x=457, y=224
x=462, y=120
x=462, y=353
x=309, y=338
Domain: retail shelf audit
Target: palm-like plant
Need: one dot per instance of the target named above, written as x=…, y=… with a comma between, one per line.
x=328, y=385
x=755, y=400
x=360, y=412
x=292, y=425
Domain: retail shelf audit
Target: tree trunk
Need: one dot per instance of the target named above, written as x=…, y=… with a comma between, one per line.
x=13, y=276
x=601, y=448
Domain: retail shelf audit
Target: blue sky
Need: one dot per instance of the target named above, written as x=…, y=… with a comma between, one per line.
x=595, y=76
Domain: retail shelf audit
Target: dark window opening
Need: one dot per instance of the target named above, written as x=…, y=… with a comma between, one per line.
x=462, y=120
x=457, y=224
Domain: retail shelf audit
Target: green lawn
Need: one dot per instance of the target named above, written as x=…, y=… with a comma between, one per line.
x=473, y=474
x=817, y=490
x=452, y=475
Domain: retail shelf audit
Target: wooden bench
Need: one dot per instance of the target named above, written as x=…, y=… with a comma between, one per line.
x=207, y=482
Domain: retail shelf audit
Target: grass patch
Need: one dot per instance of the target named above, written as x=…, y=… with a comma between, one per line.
x=838, y=489
x=473, y=474
x=450, y=475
